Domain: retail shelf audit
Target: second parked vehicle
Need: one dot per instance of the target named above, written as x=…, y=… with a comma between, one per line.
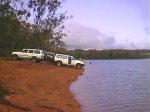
x=61, y=59
x=35, y=55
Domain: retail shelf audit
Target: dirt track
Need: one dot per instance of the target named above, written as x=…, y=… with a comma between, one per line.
x=36, y=87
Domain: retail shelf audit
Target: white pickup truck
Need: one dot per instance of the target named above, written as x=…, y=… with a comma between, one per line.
x=32, y=54
x=61, y=59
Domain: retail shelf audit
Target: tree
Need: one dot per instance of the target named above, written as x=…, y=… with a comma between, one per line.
x=48, y=24
x=43, y=31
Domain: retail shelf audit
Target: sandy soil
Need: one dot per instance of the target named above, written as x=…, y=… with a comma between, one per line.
x=36, y=87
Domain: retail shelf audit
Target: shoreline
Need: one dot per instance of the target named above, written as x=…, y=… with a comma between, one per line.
x=37, y=87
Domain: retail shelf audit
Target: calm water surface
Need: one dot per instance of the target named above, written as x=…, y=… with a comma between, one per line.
x=114, y=86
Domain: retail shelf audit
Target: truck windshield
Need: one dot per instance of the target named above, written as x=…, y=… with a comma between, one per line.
x=72, y=58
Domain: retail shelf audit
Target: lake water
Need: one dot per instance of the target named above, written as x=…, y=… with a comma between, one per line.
x=114, y=86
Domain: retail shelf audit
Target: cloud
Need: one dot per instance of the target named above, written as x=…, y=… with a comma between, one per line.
x=80, y=36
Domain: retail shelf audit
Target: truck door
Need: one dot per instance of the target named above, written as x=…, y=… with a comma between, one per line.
x=73, y=61
x=24, y=53
x=30, y=53
x=65, y=59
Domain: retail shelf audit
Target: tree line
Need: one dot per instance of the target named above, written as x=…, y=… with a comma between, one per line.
x=110, y=54
x=31, y=24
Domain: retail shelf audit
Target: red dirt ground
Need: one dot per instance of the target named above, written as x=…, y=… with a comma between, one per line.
x=36, y=87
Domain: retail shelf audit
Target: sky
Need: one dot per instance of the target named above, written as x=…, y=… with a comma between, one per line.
x=107, y=24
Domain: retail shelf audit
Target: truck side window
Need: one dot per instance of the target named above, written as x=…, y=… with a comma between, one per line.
x=37, y=52
x=72, y=58
x=24, y=51
x=65, y=57
x=30, y=51
x=59, y=56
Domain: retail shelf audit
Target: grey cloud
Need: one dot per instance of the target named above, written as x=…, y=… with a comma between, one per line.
x=83, y=37
x=80, y=36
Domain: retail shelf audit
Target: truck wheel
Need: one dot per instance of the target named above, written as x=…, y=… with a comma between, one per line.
x=15, y=57
x=34, y=60
x=59, y=63
x=78, y=66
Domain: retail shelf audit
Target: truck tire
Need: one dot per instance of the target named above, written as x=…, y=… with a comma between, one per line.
x=15, y=57
x=78, y=66
x=34, y=59
x=59, y=63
